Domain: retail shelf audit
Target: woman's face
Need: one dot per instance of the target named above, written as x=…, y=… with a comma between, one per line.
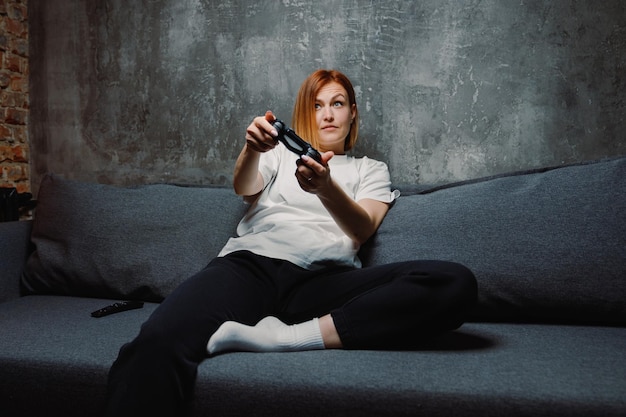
x=334, y=115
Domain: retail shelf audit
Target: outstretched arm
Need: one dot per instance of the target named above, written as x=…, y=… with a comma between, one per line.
x=260, y=136
x=247, y=180
x=358, y=219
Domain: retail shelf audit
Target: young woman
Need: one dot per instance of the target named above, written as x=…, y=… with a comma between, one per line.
x=291, y=279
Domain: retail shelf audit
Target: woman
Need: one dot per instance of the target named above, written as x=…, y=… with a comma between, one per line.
x=291, y=280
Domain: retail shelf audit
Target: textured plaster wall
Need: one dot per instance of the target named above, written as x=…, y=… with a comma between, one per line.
x=161, y=90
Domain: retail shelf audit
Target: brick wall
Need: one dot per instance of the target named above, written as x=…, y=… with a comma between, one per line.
x=14, y=100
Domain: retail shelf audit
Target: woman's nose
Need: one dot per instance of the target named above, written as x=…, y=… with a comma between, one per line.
x=328, y=113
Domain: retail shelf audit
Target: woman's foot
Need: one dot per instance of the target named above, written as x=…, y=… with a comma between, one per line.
x=268, y=335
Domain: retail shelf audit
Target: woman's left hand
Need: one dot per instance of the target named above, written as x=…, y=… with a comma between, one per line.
x=312, y=176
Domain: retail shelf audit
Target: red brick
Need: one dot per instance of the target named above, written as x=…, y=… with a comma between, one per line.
x=13, y=134
x=5, y=79
x=18, y=46
x=15, y=27
x=15, y=172
x=10, y=98
x=23, y=187
x=6, y=153
x=7, y=98
x=12, y=63
x=13, y=153
x=16, y=116
x=20, y=154
x=20, y=134
x=17, y=12
x=19, y=83
x=5, y=133
x=14, y=99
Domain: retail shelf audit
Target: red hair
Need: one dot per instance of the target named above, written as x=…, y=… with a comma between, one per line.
x=303, y=119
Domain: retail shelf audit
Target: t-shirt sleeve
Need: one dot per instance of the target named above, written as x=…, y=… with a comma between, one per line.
x=268, y=165
x=375, y=182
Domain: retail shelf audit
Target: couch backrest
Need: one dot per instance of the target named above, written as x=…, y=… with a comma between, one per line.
x=545, y=245
x=140, y=242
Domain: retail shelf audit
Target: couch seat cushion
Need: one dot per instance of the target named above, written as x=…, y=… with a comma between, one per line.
x=54, y=356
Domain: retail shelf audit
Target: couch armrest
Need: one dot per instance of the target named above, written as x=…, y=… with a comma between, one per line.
x=14, y=250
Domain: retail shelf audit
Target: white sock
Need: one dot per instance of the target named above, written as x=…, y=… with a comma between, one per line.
x=269, y=335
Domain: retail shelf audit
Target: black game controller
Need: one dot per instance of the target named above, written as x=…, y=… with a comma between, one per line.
x=294, y=142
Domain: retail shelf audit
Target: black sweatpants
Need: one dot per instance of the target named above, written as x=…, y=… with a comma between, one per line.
x=383, y=307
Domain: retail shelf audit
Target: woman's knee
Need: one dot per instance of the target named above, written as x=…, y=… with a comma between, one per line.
x=466, y=281
x=452, y=285
x=462, y=295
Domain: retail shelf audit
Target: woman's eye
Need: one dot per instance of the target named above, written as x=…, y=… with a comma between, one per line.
x=338, y=104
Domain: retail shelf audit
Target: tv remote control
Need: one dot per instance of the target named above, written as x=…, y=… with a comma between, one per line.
x=117, y=308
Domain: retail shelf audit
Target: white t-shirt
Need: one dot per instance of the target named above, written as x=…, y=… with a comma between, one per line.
x=286, y=222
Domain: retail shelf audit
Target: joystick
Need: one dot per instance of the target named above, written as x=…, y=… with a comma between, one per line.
x=295, y=143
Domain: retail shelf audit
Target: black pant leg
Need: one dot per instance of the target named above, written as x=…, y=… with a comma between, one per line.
x=155, y=373
x=396, y=305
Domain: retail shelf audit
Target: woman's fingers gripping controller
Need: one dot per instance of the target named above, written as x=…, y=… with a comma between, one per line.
x=260, y=134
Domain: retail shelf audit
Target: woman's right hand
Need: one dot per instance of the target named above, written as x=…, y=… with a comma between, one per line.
x=261, y=135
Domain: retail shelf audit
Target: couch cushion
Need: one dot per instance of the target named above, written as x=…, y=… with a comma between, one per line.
x=544, y=245
x=54, y=356
x=115, y=242
x=484, y=369
x=14, y=250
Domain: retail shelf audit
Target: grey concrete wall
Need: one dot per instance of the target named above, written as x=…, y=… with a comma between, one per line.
x=161, y=90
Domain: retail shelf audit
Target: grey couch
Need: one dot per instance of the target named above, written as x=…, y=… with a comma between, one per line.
x=547, y=337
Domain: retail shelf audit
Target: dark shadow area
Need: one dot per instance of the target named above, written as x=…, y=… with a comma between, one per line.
x=457, y=341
